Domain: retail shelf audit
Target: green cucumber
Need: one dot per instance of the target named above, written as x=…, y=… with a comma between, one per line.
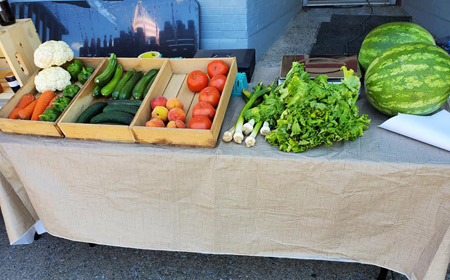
x=96, y=91
x=106, y=76
x=125, y=102
x=90, y=112
x=125, y=93
x=108, y=89
x=149, y=85
x=122, y=82
x=113, y=117
x=121, y=108
x=138, y=89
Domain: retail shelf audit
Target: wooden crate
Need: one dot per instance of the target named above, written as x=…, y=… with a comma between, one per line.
x=117, y=133
x=37, y=127
x=17, y=44
x=173, y=84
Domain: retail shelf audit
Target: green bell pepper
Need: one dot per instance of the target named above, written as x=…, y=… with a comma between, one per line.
x=61, y=103
x=71, y=90
x=50, y=115
x=84, y=75
x=75, y=68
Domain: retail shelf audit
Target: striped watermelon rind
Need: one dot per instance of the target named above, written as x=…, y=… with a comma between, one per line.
x=412, y=78
x=389, y=35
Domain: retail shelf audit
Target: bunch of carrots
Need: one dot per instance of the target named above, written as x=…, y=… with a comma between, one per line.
x=29, y=108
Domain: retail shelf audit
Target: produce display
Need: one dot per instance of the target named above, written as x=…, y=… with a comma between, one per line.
x=389, y=35
x=405, y=72
x=56, y=105
x=169, y=112
x=47, y=107
x=411, y=78
x=301, y=113
x=120, y=93
x=119, y=112
x=50, y=81
x=112, y=82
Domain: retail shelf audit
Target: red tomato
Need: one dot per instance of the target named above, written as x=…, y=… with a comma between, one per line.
x=203, y=109
x=210, y=95
x=218, y=82
x=217, y=67
x=197, y=80
x=200, y=122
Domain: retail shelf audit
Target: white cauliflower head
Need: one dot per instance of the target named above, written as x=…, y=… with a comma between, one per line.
x=52, y=53
x=53, y=78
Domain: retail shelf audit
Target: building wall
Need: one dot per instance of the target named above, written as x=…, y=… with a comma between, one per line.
x=267, y=20
x=434, y=15
x=223, y=24
x=235, y=24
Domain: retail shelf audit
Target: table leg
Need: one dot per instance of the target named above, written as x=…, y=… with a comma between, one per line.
x=383, y=274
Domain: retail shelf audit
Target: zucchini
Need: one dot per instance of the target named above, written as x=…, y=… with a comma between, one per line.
x=113, y=117
x=138, y=89
x=108, y=89
x=106, y=76
x=125, y=102
x=96, y=91
x=90, y=112
x=125, y=93
x=121, y=108
x=122, y=82
x=149, y=85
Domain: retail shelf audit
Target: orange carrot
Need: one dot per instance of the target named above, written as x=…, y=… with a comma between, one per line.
x=25, y=113
x=23, y=102
x=50, y=104
x=42, y=103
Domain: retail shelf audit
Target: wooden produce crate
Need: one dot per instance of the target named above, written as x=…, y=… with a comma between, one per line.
x=38, y=127
x=17, y=44
x=117, y=133
x=173, y=84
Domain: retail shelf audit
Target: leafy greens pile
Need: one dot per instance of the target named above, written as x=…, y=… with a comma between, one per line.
x=305, y=113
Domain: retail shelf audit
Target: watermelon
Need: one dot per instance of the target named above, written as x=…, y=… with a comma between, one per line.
x=389, y=35
x=412, y=78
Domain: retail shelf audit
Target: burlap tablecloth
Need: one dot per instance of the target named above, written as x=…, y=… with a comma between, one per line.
x=383, y=199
